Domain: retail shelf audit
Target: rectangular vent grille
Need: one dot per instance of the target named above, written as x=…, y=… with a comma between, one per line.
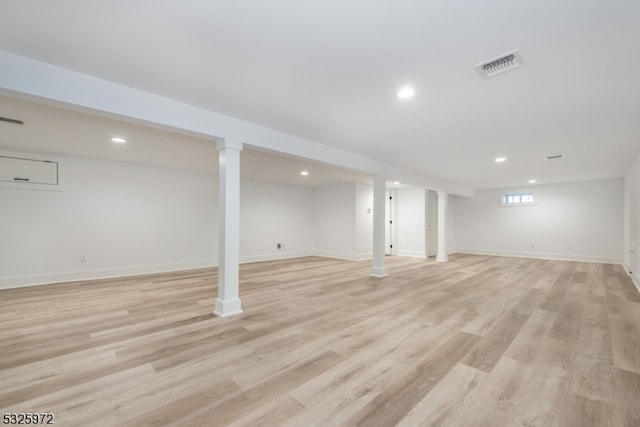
x=496, y=66
x=556, y=156
x=11, y=121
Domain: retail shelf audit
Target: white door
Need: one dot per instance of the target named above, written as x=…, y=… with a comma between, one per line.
x=388, y=227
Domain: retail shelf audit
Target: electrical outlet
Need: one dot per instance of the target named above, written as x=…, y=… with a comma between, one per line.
x=278, y=245
x=83, y=258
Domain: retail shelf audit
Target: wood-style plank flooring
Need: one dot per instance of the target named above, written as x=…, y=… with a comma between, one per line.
x=478, y=341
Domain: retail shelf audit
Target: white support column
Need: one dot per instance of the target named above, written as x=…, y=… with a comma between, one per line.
x=379, y=186
x=442, y=227
x=228, y=301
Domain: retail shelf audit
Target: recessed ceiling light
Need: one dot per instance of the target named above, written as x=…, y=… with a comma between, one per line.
x=304, y=173
x=532, y=181
x=396, y=182
x=500, y=159
x=406, y=92
x=118, y=140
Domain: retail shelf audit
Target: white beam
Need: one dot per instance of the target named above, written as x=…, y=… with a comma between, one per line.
x=37, y=80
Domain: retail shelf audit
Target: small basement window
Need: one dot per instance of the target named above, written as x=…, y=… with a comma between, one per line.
x=517, y=199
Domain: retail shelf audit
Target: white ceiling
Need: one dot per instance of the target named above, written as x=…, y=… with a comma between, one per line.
x=328, y=71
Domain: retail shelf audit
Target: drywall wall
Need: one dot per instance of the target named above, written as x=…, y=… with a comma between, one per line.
x=115, y=219
x=121, y=218
x=272, y=214
x=335, y=221
x=631, y=255
x=577, y=221
x=411, y=222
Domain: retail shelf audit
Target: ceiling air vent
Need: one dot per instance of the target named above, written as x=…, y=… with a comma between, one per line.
x=555, y=156
x=503, y=63
x=11, y=121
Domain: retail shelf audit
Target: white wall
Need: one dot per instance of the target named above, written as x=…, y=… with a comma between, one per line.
x=132, y=219
x=272, y=214
x=581, y=221
x=124, y=218
x=411, y=222
x=631, y=220
x=335, y=223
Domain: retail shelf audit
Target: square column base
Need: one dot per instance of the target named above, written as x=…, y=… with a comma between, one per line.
x=227, y=308
x=442, y=258
x=378, y=272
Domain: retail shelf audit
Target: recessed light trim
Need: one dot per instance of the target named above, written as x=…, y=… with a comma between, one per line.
x=118, y=140
x=406, y=92
x=396, y=182
x=500, y=159
x=533, y=181
x=304, y=173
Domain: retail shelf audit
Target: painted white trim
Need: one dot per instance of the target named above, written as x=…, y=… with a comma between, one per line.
x=274, y=257
x=635, y=277
x=113, y=273
x=338, y=255
x=107, y=273
x=378, y=272
x=140, y=270
x=555, y=257
x=626, y=266
x=228, y=308
x=363, y=256
x=412, y=254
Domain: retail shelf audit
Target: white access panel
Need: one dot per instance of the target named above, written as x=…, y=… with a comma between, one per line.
x=32, y=170
x=28, y=171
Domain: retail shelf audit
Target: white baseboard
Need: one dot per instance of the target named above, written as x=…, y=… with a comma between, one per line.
x=412, y=254
x=344, y=255
x=274, y=256
x=626, y=266
x=363, y=256
x=139, y=270
x=635, y=278
x=549, y=256
x=338, y=255
x=43, y=279
x=107, y=273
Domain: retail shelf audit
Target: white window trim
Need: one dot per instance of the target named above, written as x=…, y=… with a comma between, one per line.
x=519, y=193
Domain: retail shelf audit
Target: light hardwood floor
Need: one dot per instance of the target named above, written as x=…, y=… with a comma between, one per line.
x=477, y=341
